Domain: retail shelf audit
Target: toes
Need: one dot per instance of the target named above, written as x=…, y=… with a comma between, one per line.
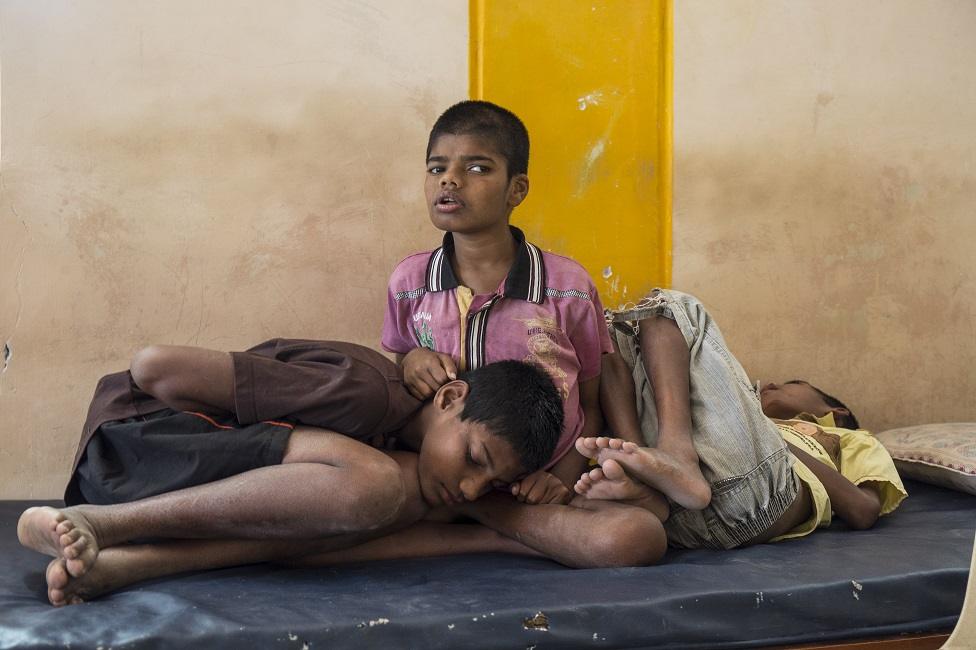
x=76, y=568
x=596, y=475
x=56, y=575
x=56, y=597
x=629, y=447
x=613, y=470
x=71, y=538
x=63, y=526
x=586, y=447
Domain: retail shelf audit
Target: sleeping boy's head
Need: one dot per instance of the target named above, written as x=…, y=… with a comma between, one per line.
x=487, y=429
x=785, y=401
x=477, y=167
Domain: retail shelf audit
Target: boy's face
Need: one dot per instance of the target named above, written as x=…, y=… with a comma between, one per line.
x=785, y=401
x=461, y=460
x=467, y=185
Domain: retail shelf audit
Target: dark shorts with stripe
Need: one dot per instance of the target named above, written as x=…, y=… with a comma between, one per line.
x=133, y=446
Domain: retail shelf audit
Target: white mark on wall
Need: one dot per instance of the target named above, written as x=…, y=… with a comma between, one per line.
x=858, y=587
x=759, y=599
x=590, y=99
x=607, y=272
x=592, y=156
x=596, y=151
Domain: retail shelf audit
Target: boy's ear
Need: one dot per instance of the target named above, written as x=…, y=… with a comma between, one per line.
x=453, y=393
x=518, y=189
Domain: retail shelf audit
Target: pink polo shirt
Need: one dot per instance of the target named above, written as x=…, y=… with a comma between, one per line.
x=546, y=311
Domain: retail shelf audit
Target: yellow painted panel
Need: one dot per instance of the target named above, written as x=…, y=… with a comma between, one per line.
x=592, y=82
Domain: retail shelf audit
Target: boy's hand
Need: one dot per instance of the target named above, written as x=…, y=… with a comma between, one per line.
x=424, y=371
x=541, y=487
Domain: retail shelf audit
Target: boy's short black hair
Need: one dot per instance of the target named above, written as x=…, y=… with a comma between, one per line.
x=843, y=420
x=501, y=126
x=518, y=402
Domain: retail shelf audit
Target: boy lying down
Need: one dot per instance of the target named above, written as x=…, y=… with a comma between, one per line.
x=281, y=451
x=718, y=473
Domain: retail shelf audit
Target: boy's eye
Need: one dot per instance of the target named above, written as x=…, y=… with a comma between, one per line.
x=434, y=170
x=478, y=169
x=471, y=460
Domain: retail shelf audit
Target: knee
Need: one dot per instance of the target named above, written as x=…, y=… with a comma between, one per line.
x=149, y=369
x=381, y=498
x=629, y=539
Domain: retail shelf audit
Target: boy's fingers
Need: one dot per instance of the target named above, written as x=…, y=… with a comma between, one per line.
x=435, y=376
x=447, y=363
x=419, y=388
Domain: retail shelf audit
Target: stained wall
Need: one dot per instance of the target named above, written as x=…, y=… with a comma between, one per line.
x=824, y=194
x=201, y=173
x=214, y=174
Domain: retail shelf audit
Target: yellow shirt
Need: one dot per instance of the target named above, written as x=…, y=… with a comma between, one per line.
x=856, y=454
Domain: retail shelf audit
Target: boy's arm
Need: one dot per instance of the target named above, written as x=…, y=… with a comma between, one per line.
x=555, y=485
x=424, y=371
x=858, y=506
x=573, y=464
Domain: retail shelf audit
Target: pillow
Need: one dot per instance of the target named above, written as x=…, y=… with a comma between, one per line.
x=940, y=454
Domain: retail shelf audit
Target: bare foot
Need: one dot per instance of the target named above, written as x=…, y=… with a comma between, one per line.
x=678, y=478
x=64, y=534
x=108, y=575
x=611, y=482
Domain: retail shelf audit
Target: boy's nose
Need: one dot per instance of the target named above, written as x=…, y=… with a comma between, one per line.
x=448, y=179
x=472, y=488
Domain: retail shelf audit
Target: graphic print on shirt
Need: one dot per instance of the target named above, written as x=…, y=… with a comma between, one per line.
x=422, y=329
x=543, y=350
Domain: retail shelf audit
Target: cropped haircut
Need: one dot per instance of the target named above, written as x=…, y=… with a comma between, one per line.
x=844, y=421
x=498, y=125
x=518, y=402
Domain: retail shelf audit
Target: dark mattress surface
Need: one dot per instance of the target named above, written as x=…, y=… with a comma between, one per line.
x=908, y=574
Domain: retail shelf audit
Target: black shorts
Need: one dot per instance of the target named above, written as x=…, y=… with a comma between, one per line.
x=168, y=450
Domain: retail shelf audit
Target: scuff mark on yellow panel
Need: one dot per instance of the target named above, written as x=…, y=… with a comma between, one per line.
x=592, y=82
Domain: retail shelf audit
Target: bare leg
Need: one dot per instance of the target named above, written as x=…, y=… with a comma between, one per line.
x=585, y=533
x=328, y=484
x=122, y=565
x=186, y=378
x=666, y=360
x=618, y=397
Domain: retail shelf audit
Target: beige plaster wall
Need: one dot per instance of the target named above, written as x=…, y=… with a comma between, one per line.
x=200, y=173
x=825, y=200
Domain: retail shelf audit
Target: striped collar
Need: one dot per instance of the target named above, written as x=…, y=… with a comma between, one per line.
x=526, y=279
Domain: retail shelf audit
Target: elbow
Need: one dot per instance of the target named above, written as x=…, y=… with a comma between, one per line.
x=863, y=517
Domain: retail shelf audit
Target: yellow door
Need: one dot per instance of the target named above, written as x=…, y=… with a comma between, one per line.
x=592, y=82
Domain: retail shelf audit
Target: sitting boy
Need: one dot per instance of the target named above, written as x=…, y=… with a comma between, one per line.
x=727, y=472
x=487, y=294
x=270, y=444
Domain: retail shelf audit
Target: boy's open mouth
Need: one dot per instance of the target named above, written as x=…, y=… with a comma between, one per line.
x=448, y=201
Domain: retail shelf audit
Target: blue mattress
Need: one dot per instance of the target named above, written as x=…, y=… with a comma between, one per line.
x=907, y=575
